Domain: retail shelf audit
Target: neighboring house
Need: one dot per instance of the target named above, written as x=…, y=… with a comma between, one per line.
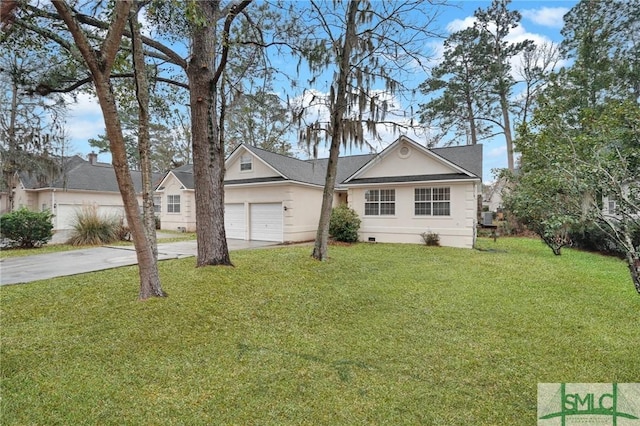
x=609, y=206
x=80, y=183
x=403, y=191
x=492, y=195
x=5, y=205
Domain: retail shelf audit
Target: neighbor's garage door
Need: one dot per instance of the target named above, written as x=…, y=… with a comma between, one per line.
x=66, y=216
x=266, y=222
x=234, y=221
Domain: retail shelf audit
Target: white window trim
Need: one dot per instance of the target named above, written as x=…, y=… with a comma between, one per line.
x=244, y=161
x=173, y=204
x=157, y=204
x=379, y=202
x=431, y=201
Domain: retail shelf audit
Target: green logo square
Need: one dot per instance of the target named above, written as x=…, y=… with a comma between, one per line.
x=616, y=404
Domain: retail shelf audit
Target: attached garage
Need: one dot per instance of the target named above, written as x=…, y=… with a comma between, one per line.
x=65, y=216
x=266, y=222
x=235, y=221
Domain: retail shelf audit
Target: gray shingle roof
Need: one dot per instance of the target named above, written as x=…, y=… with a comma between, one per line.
x=311, y=171
x=80, y=175
x=186, y=178
x=468, y=157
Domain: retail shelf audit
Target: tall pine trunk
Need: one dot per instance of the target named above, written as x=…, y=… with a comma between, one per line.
x=472, y=121
x=504, y=106
x=208, y=152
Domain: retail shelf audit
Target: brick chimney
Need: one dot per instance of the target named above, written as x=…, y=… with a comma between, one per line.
x=93, y=158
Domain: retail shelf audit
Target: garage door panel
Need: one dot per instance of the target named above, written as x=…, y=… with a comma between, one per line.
x=266, y=222
x=235, y=221
x=65, y=216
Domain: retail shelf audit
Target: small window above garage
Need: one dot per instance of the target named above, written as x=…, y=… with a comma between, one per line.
x=246, y=163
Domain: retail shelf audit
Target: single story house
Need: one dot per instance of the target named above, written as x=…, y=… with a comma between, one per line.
x=79, y=183
x=403, y=191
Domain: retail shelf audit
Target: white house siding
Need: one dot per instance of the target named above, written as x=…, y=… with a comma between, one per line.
x=186, y=219
x=23, y=198
x=65, y=205
x=456, y=230
x=300, y=206
x=305, y=213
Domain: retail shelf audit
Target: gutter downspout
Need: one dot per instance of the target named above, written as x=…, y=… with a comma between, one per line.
x=54, y=208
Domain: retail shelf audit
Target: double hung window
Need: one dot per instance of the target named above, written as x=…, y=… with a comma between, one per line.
x=246, y=163
x=380, y=202
x=432, y=201
x=173, y=204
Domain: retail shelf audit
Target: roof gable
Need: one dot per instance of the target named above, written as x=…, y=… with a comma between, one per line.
x=261, y=167
x=313, y=171
x=405, y=157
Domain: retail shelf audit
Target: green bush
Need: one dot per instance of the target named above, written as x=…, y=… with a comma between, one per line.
x=344, y=224
x=91, y=228
x=591, y=238
x=26, y=229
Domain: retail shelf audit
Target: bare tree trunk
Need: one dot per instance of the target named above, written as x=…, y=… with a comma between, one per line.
x=10, y=178
x=150, y=287
x=633, y=260
x=320, y=250
x=504, y=105
x=99, y=63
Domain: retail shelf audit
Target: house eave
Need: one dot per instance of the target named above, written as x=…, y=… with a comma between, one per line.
x=409, y=180
x=267, y=181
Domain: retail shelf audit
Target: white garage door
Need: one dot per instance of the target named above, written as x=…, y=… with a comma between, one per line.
x=65, y=216
x=234, y=221
x=266, y=222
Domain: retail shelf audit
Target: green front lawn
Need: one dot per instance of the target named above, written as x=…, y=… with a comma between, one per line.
x=379, y=334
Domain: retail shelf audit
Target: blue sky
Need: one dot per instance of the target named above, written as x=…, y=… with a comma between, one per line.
x=541, y=22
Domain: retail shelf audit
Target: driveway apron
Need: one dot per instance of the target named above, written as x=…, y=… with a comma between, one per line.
x=16, y=270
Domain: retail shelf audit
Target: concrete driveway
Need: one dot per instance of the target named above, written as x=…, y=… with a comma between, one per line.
x=17, y=270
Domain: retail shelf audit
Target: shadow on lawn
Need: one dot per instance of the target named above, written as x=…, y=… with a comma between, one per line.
x=491, y=250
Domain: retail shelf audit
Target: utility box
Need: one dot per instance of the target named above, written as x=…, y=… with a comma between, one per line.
x=487, y=218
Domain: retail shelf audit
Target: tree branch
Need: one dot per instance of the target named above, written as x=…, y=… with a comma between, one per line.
x=45, y=89
x=170, y=55
x=233, y=12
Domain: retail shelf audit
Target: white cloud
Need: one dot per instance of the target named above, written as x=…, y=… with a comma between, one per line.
x=460, y=24
x=499, y=152
x=84, y=120
x=546, y=16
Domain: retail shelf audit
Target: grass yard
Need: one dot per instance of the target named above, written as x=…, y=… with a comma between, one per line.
x=379, y=334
